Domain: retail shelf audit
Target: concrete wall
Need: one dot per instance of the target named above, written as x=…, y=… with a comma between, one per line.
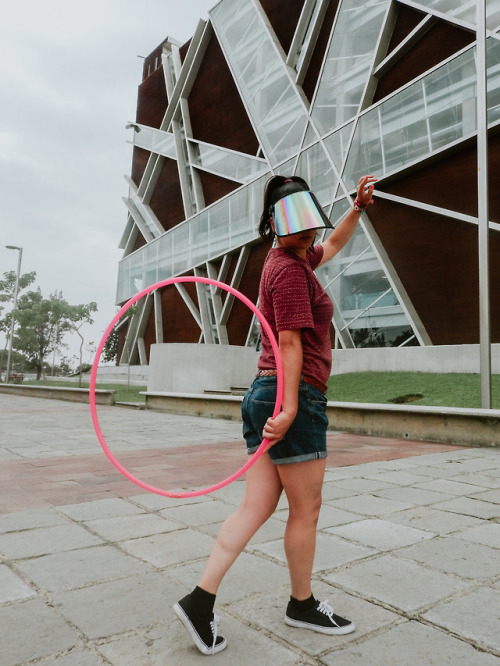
x=188, y=368
x=135, y=375
x=102, y=397
x=443, y=358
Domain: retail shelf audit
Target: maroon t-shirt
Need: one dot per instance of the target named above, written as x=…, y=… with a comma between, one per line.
x=291, y=298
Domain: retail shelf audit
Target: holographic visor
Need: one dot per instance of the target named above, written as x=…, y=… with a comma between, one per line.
x=299, y=212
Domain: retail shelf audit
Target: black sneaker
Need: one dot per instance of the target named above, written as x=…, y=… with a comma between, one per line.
x=202, y=629
x=319, y=618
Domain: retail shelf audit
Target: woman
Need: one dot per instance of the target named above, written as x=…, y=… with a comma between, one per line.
x=299, y=312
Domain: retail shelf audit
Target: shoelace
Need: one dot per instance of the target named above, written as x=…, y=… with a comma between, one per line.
x=324, y=607
x=214, y=624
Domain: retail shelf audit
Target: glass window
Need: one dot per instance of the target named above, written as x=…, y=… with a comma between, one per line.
x=180, y=249
x=365, y=304
x=227, y=163
x=348, y=62
x=429, y=114
x=156, y=141
x=338, y=143
x=465, y=10
x=165, y=268
x=493, y=63
x=272, y=100
x=315, y=168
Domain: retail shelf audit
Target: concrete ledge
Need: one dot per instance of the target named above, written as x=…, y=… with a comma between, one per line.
x=467, y=427
x=102, y=397
x=450, y=425
x=195, y=404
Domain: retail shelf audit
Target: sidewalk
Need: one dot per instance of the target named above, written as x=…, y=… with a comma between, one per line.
x=90, y=564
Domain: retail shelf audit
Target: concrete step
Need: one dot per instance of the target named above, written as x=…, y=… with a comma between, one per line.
x=131, y=405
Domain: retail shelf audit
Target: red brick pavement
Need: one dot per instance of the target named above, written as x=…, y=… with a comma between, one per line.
x=63, y=480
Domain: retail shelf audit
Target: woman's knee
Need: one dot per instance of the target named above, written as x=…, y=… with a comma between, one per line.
x=258, y=512
x=306, y=510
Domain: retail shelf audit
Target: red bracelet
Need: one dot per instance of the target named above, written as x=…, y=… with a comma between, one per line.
x=359, y=207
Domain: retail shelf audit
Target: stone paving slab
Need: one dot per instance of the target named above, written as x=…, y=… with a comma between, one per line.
x=48, y=634
x=79, y=568
x=411, y=644
x=398, y=583
x=475, y=616
x=408, y=547
x=13, y=588
x=380, y=534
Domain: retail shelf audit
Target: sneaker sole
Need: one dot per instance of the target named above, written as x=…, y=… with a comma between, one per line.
x=194, y=634
x=331, y=631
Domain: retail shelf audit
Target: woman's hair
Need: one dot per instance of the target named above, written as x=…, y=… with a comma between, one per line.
x=275, y=189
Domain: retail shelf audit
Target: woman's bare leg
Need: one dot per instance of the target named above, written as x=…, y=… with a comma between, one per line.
x=302, y=483
x=262, y=492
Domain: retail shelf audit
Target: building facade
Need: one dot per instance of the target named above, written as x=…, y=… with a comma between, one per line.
x=328, y=90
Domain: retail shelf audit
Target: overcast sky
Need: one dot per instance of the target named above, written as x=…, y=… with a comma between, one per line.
x=69, y=73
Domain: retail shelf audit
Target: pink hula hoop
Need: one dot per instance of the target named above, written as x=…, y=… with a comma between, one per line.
x=93, y=378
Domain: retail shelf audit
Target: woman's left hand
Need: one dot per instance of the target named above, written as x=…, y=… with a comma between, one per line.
x=364, y=190
x=275, y=429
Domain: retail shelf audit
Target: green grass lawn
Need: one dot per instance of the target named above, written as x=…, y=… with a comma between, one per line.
x=416, y=388
x=123, y=394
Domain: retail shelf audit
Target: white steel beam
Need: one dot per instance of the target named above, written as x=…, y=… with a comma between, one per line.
x=215, y=295
x=158, y=309
x=189, y=303
x=483, y=207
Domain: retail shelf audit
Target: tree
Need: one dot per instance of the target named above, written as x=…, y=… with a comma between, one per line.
x=7, y=288
x=110, y=350
x=42, y=323
x=8, y=284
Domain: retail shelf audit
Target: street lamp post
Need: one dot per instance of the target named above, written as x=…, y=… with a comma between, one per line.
x=16, y=289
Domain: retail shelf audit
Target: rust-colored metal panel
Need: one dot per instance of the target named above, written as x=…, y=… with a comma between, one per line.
x=452, y=181
x=407, y=20
x=216, y=111
x=311, y=78
x=241, y=316
x=166, y=201
x=283, y=15
x=436, y=259
x=153, y=61
x=178, y=323
x=215, y=187
x=152, y=99
x=184, y=49
x=440, y=42
x=140, y=158
x=139, y=242
x=150, y=334
x=122, y=334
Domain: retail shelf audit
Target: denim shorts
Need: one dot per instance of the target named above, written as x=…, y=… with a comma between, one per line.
x=306, y=438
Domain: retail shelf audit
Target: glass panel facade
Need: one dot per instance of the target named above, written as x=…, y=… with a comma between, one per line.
x=308, y=34
x=365, y=304
x=338, y=143
x=272, y=100
x=427, y=115
x=493, y=64
x=348, y=62
x=315, y=168
x=156, y=141
x=143, y=211
x=424, y=117
x=217, y=230
x=229, y=164
x=465, y=10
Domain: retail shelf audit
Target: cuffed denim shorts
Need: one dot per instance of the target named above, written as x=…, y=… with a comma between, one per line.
x=306, y=438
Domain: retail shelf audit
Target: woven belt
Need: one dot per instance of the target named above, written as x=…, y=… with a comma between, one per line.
x=308, y=380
